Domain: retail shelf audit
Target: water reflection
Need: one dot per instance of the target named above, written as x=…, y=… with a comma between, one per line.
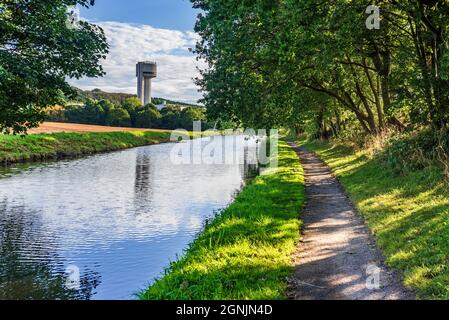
x=31, y=271
x=119, y=217
x=143, y=188
x=250, y=167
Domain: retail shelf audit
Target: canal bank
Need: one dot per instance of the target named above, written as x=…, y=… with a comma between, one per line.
x=245, y=252
x=56, y=146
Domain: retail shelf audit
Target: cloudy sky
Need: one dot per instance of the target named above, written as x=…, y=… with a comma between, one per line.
x=138, y=30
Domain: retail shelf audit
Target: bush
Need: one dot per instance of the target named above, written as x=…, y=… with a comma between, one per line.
x=118, y=117
x=148, y=117
x=411, y=152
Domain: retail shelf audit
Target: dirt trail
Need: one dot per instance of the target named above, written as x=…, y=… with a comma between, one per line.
x=337, y=250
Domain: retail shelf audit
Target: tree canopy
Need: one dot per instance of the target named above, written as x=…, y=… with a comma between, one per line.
x=305, y=63
x=40, y=46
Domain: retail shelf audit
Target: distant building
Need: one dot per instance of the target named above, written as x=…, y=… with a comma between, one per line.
x=145, y=71
x=161, y=106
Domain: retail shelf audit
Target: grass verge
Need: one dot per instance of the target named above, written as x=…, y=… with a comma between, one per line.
x=245, y=252
x=37, y=147
x=408, y=214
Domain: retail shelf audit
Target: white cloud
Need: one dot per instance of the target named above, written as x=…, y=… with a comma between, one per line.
x=130, y=43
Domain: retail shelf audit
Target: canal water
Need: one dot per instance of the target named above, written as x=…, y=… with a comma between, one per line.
x=105, y=226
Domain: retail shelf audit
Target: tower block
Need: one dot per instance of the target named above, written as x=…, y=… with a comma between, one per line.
x=145, y=71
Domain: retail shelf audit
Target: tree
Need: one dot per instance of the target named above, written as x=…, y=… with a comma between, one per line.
x=119, y=117
x=427, y=27
x=39, y=49
x=189, y=115
x=132, y=105
x=171, y=117
x=265, y=57
x=92, y=112
x=148, y=117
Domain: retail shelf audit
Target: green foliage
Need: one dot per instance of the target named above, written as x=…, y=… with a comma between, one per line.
x=189, y=115
x=245, y=252
x=171, y=117
x=407, y=153
x=132, y=105
x=130, y=113
x=118, y=117
x=39, y=49
x=91, y=113
x=297, y=62
x=148, y=117
x=97, y=94
x=120, y=98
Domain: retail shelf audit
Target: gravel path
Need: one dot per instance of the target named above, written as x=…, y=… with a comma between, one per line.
x=337, y=256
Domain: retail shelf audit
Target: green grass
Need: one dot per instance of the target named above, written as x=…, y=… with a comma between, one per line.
x=245, y=252
x=36, y=147
x=408, y=214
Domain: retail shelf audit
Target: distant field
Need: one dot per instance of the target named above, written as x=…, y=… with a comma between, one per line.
x=52, y=127
x=54, y=140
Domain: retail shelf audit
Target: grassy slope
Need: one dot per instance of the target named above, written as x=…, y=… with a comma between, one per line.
x=59, y=145
x=408, y=214
x=245, y=252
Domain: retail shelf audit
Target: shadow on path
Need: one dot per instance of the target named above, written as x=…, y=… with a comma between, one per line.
x=337, y=256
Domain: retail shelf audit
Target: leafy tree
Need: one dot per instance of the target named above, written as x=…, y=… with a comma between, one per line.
x=39, y=49
x=171, y=117
x=148, y=117
x=297, y=62
x=426, y=25
x=132, y=105
x=189, y=115
x=94, y=112
x=119, y=117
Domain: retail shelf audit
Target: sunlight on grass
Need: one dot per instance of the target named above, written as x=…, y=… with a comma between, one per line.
x=60, y=145
x=245, y=253
x=408, y=214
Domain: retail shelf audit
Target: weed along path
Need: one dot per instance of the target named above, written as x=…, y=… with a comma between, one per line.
x=337, y=257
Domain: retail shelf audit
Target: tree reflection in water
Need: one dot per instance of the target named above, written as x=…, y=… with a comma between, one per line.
x=250, y=167
x=142, y=186
x=41, y=274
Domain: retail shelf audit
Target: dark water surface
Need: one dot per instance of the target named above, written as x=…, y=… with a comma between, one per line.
x=115, y=219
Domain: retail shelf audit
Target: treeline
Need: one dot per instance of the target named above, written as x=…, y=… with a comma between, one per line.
x=326, y=67
x=130, y=113
x=119, y=98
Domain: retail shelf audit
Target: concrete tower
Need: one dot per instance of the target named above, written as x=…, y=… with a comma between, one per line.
x=145, y=72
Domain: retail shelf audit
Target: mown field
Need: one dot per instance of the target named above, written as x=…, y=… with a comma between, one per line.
x=53, y=127
x=245, y=252
x=407, y=212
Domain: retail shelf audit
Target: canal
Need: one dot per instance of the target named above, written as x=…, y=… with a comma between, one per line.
x=105, y=226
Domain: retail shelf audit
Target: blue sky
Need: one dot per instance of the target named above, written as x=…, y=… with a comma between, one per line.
x=138, y=30
x=166, y=14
